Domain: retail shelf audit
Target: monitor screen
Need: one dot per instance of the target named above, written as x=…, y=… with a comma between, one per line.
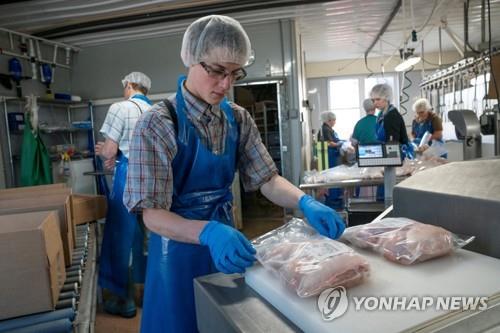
x=370, y=151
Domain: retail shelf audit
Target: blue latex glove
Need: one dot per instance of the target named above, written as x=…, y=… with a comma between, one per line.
x=230, y=250
x=322, y=218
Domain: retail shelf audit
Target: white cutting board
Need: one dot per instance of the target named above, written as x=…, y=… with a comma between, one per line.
x=461, y=274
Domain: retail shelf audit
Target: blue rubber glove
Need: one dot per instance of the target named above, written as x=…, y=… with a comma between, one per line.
x=230, y=250
x=322, y=218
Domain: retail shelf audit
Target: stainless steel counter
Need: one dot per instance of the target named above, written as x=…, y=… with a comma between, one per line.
x=224, y=303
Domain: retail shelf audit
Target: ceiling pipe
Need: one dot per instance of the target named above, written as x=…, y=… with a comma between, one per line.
x=169, y=15
x=384, y=27
x=455, y=39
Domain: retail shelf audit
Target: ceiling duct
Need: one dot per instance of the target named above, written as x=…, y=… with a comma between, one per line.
x=169, y=15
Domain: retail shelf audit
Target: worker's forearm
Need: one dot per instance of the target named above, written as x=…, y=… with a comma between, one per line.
x=109, y=151
x=173, y=226
x=281, y=192
x=437, y=135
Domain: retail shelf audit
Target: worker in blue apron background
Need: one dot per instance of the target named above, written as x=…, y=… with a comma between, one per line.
x=390, y=125
x=183, y=157
x=122, y=261
x=334, y=197
x=426, y=121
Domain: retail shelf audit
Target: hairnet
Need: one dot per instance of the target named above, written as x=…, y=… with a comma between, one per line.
x=327, y=115
x=382, y=90
x=422, y=103
x=368, y=105
x=138, y=78
x=215, y=38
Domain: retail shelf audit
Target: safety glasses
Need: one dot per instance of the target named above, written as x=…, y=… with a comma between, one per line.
x=221, y=74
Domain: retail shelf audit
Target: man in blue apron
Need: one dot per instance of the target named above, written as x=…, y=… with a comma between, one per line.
x=426, y=121
x=122, y=260
x=183, y=157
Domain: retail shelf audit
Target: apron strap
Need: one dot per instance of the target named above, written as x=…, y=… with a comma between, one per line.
x=173, y=114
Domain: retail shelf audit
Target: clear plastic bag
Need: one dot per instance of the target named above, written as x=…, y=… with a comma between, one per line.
x=342, y=172
x=437, y=149
x=307, y=262
x=411, y=167
x=405, y=241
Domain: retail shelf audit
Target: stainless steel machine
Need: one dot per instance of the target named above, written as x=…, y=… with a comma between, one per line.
x=463, y=197
x=467, y=128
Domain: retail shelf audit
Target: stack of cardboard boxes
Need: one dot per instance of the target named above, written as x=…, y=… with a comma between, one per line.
x=37, y=237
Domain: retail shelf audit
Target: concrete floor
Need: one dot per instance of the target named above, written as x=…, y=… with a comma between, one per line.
x=258, y=218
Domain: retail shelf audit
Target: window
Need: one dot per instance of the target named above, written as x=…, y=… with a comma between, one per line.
x=343, y=99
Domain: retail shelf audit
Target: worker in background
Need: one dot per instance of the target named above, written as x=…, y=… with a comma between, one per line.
x=122, y=261
x=390, y=126
x=327, y=134
x=425, y=121
x=364, y=130
x=184, y=154
x=364, y=133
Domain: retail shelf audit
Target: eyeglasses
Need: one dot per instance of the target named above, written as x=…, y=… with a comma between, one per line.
x=221, y=74
x=376, y=99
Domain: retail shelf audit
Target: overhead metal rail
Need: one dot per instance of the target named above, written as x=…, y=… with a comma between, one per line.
x=170, y=15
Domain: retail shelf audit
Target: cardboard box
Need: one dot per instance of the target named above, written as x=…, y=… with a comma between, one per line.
x=87, y=208
x=59, y=202
x=32, y=270
x=17, y=192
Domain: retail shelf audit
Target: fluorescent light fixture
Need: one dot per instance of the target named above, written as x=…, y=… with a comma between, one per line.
x=313, y=91
x=407, y=64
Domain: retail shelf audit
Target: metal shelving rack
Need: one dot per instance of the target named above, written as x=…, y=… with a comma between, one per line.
x=69, y=105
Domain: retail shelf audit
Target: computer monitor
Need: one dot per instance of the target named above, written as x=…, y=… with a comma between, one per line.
x=379, y=154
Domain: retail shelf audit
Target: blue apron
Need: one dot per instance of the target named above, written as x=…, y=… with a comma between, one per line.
x=202, y=191
x=406, y=149
x=420, y=128
x=122, y=234
x=334, y=197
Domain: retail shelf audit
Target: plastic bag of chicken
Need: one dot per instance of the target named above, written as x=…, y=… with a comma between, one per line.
x=405, y=241
x=307, y=262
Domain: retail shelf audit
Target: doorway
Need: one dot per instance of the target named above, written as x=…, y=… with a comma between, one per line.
x=262, y=101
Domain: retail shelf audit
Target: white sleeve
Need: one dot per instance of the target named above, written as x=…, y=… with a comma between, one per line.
x=114, y=123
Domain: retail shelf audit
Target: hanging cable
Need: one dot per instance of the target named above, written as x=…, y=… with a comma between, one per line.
x=466, y=28
x=404, y=97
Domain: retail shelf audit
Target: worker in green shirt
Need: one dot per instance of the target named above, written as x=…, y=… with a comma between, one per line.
x=364, y=130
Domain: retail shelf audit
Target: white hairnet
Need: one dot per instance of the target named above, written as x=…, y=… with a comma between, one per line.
x=138, y=78
x=327, y=115
x=382, y=90
x=422, y=103
x=368, y=105
x=215, y=38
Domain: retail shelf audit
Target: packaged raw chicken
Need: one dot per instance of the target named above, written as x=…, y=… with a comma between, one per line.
x=405, y=241
x=307, y=262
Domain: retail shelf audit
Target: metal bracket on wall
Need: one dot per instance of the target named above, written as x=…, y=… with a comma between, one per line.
x=31, y=44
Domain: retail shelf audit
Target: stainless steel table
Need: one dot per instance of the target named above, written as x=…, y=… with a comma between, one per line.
x=224, y=303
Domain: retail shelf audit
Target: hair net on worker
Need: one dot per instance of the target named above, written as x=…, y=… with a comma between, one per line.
x=327, y=115
x=368, y=105
x=422, y=104
x=382, y=90
x=215, y=38
x=138, y=78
